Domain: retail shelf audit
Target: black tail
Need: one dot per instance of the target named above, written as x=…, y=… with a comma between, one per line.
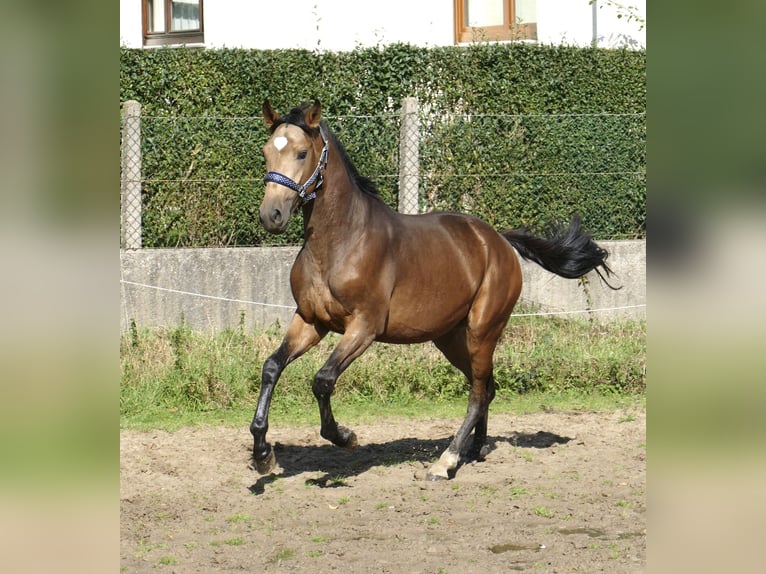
x=569, y=252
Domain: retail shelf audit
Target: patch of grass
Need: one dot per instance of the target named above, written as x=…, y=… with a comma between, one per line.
x=283, y=554
x=526, y=455
x=236, y=541
x=543, y=511
x=175, y=377
x=318, y=539
x=167, y=560
x=145, y=547
x=518, y=491
x=238, y=518
x=336, y=481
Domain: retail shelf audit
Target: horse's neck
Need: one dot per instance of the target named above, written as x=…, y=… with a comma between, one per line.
x=338, y=209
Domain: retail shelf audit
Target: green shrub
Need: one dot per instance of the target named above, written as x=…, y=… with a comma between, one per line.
x=515, y=134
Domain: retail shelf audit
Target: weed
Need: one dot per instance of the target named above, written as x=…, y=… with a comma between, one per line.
x=543, y=511
x=237, y=541
x=434, y=521
x=339, y=480
x=315, y=553
x=318, y=539
x=518, y=491
x=527, y=456
x=283, y=553
x=145, y=547
x=239, y=517
x=627, y=419
x=167, y=560
x=381, y=505
x=344, y=500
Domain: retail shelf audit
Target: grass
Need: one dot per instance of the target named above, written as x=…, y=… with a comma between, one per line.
x=543, y=511
x=175, y=377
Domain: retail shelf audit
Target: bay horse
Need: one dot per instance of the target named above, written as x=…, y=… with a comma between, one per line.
x=370, y=274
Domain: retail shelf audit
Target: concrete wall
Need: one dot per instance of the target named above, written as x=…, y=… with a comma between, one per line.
x=211, y=288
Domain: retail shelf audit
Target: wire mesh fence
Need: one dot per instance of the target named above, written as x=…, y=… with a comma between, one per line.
x=197, y=181
x=513, y=170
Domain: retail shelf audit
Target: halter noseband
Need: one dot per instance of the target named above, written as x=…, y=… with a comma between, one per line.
x=276, y=177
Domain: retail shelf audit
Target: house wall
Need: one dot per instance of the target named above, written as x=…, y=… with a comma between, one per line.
x=332, y=25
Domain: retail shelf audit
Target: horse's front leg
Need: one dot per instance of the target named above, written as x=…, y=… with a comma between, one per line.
x=357, y=338
x=300, y=337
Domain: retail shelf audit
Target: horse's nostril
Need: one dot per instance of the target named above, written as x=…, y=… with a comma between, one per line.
x=276, y=216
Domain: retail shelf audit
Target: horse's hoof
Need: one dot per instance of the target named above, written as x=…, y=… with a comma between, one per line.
x=266, y=465
x=435, y=477
x=349, y=440
x=437, y=472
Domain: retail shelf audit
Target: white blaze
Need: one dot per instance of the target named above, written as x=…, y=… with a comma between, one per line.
x=280, y=142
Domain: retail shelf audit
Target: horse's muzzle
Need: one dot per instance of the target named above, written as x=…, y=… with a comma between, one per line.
x=275, y=216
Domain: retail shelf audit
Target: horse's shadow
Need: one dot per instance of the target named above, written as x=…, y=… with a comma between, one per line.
x=338, y=464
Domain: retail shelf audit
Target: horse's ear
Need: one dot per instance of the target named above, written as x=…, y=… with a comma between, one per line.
x=270, y=115
x=314, y=115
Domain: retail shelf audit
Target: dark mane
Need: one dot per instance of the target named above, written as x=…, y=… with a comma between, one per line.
x=363, y=183
x=296, y=117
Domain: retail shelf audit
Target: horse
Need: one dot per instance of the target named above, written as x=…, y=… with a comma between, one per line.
x=371, y=274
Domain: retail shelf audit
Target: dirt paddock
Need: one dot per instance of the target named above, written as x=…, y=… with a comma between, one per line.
x=558, y=492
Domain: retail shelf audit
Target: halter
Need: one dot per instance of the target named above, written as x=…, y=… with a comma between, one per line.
x=276, y=177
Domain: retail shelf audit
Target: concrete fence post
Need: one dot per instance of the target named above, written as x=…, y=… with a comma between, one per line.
x=130, y=180
x=408, y=157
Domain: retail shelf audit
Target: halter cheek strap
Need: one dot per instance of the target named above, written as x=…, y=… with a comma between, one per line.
x=278, y=178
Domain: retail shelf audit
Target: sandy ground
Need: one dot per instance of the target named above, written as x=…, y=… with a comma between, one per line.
x=558, y=492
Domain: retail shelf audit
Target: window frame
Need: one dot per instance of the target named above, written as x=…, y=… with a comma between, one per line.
x=508, y=30
x=169, y=37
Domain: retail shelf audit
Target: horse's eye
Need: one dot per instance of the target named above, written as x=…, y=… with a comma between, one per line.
x=302, y=154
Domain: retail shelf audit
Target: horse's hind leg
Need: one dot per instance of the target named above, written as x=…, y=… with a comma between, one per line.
x=473, y=356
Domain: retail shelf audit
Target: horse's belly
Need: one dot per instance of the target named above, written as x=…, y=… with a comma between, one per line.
x=422, y=320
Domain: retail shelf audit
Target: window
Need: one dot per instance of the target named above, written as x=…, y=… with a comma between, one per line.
x=478, y=20
x=172, y=22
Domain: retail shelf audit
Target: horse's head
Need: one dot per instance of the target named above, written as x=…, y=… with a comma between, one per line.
x=295, y=158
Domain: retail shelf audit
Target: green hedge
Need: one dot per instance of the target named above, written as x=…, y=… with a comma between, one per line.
x=516, y=134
